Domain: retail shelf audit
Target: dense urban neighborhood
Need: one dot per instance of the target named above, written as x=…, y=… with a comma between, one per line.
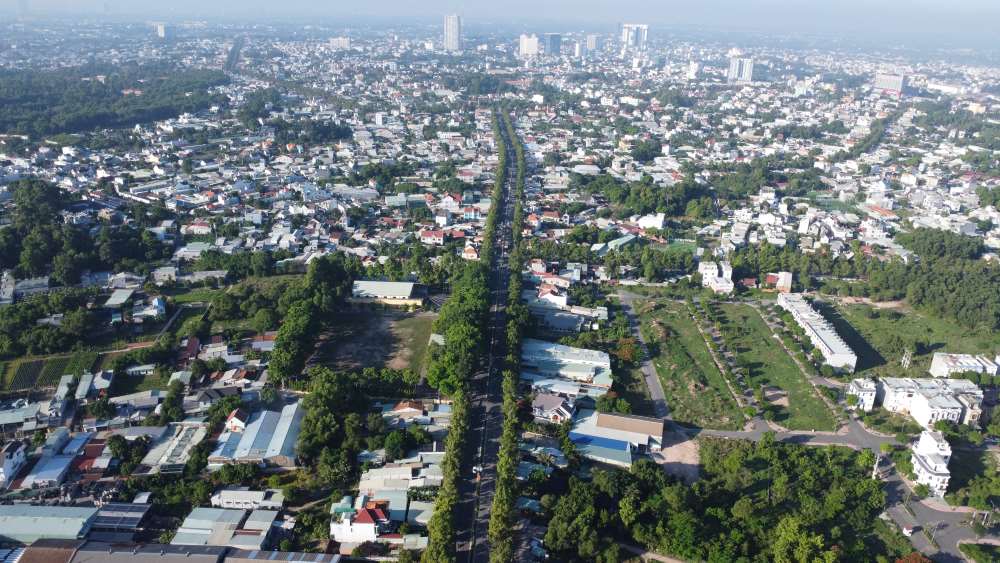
x=467, y=293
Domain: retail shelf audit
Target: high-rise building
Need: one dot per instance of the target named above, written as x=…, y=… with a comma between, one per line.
x=593, y=42
x=740, y=70
x=692, y=70
x=634, y=36
x=162, y=31
x=891, y=84
x=453, y=33
x=528, y=46
x=579, y=49
x=553, y=44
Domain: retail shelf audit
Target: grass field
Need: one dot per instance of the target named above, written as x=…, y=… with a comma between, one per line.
x=124, y=384
x=417, y=332
x=754, y=344
x=695, y=389
x=876, y=338
x=198, y=295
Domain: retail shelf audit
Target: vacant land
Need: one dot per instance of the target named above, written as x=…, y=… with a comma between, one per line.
x=767, y=364
x=633, y=389
x=197, y=295
x=376, y=339
x=695, y=389
x=888, y=332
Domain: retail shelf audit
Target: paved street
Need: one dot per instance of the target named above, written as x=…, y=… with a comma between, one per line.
x=648, y=371
x=486, y=417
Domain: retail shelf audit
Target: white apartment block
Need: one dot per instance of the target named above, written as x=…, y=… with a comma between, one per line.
x=931, y=400
x=930, y=457
x=717, y=277
x=865, y=390
x=945, y=365
x=836, y=352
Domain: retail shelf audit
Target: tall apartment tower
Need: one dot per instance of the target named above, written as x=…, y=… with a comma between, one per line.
x=634, y=36
x=552, y=44
x=593, y=42
x=453, y=33
x=740, y=70
x=527, y=46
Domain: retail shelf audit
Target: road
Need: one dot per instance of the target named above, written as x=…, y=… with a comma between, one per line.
x=656, y=394
x=486, y=417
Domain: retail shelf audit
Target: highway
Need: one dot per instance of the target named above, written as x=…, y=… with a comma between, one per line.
x=486, y=415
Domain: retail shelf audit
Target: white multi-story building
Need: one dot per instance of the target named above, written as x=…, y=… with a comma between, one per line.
x=836, y=352
x=740, y=70
x=931, y=400
x=945, y=365
x=634, y=36
x=12, y=458
x=930, y=457
x=453, y=33
x=528, y=46
x=717, y=276
x=865, y=390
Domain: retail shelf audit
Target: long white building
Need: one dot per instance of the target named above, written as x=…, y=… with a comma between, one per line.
x=946, y=365
x=836, y=352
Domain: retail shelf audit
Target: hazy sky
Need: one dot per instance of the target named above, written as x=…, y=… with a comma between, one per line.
x=938, y=17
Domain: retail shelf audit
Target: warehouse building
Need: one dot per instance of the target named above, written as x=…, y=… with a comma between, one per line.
x=23, y=523
x=616, y=439
x=226, y=527
x=564, y=370
x=400, y=294
x=268, y=438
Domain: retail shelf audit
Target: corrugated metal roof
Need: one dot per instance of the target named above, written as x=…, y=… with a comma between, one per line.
x=26, y=523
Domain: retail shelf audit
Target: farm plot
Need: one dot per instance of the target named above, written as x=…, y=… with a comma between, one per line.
x=25, y=375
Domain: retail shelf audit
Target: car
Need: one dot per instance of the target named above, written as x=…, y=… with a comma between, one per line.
x=908, y=530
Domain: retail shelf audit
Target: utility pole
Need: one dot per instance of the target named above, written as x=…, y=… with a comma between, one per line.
x=878, y=458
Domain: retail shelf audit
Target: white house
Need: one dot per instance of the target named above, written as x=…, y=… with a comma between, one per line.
x=12, y=458
x=930, y=400
x=358, y=526
x=717, y=277
x=865, y=390
x=930, y=457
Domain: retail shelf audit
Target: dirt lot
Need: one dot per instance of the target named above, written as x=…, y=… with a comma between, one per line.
x=376, y=339
x=679, y=457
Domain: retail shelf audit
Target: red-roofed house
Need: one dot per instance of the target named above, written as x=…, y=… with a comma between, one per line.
x=432, y=237
x=237, y=420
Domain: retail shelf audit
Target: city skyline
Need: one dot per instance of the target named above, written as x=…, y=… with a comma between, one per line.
x=966, y=21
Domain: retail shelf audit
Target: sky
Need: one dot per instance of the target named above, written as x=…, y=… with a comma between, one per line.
x=913, y=18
